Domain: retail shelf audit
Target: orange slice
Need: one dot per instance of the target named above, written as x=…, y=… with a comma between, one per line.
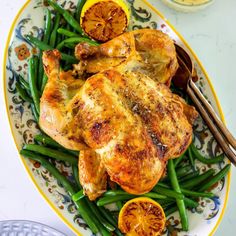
x=104, y=20
x=141, y=216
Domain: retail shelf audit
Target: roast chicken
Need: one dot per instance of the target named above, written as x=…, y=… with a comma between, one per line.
x=124, y=119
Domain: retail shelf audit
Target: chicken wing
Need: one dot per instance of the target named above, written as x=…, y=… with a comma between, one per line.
x=148, y=51
x=132, y=122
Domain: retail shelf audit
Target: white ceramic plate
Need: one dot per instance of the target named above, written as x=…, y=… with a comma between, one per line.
x=203, y=220
x=26, y=228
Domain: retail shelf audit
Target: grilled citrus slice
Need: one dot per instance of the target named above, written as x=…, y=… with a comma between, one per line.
x=141, y=216
x=104, y=20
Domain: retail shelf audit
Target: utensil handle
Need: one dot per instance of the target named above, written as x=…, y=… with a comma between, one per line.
x=213, y=115
x=218, y=135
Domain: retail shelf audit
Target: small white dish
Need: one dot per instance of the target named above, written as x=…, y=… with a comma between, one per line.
x=26, y=228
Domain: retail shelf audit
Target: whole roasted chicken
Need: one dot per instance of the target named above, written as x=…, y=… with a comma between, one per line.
x=123, y=118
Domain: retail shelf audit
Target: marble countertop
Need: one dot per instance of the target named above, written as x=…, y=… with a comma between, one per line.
x=209, y=32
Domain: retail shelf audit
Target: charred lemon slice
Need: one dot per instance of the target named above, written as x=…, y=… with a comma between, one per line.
x=141, y=216
x=104, y=20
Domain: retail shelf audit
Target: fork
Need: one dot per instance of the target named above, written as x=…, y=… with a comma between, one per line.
x=185, y=78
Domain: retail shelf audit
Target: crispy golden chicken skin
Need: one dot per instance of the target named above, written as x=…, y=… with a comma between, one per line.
x=132, y=123
x=92, y=174
x=148, y=51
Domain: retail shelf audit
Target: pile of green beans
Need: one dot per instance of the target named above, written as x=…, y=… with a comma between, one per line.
x=180, y=203
x=203, y=159
x=178, y=191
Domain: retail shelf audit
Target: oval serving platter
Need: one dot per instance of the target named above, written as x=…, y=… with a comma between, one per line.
x=30, y=19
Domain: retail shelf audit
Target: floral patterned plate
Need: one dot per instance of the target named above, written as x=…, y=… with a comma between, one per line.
x=203, y=220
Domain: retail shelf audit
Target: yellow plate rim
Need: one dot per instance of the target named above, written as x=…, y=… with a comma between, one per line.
x=24, y=162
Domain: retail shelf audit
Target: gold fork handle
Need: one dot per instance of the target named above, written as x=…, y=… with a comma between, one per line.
x=213, y=115
x=222, y=141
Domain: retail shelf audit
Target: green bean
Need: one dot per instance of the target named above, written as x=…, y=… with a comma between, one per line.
x=214, y=179
x=51, y=153
x=165, y=201
x=67, y=16
x=196, y=194
x=23, y=82
x=189, y=176
x=107, y=214
x=76, y=40
x=58, y=39
x=46, y=38
x=44, y=82
x=47, y=28
x=187, y=201
x=120, y=192
x=76, y=176
x=77, y=196
x=191, y=158
x=52, y=169
x=23, y=94
x=119, y=205
x=67, y=33
x=36, y=63
x=81, y=204
x=53, y=37
x=115, y=193
x=98, y=214
x=205, y=160
x=33, y=84
x=118, y=233
x=46, y=140
x=79, y=7
x=183, y=171
x=164, y=185
x=67, y=67
x=68, y=58
x=179, y=159
x=180, y=172
x=187, y=192
x=168, y=204
x=40, y=70
x=176, y=187
x=167, y=192
x=107, y=200
x=88, y=217
x=70, y=45
x=41, y=45
x=190, y=203
x=171, y=210
x=154, y=195
x=189, y=184
x=35, y=113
